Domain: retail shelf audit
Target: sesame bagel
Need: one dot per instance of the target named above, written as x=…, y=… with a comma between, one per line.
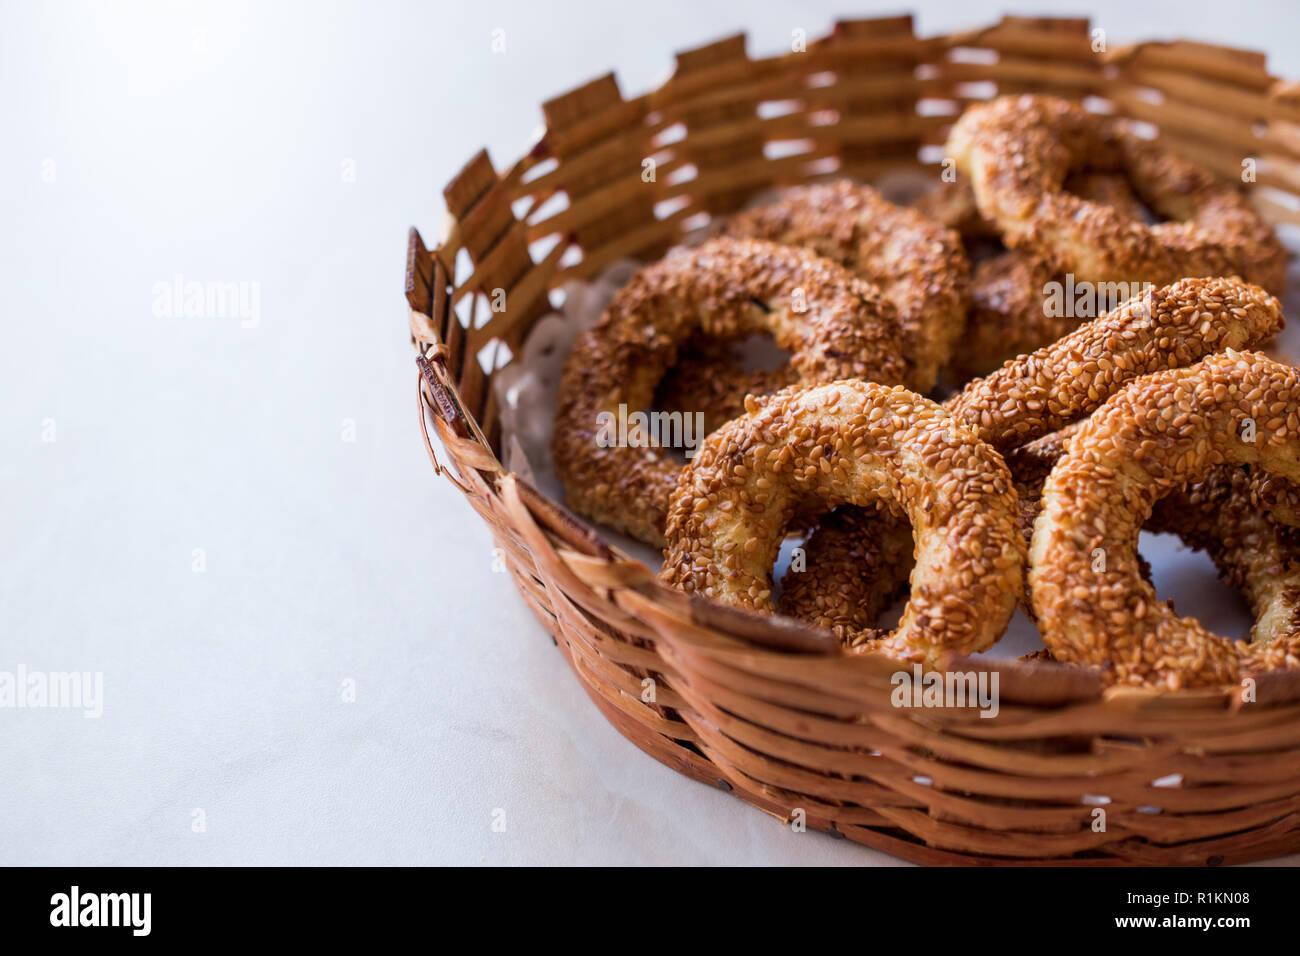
x=1255, y=553
x=1170, y=327
x=952, y=203
x=1009, y=313
x=863, y=444
x=1153, y=437
x=917, y=264
x=833, y=324
x=1219, y=515
x=1030, y=397
x=1018, y=152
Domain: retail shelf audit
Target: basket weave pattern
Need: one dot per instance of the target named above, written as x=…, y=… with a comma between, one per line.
x=765, y=707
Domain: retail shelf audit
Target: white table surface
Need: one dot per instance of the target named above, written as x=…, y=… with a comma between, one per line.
x=146, y=141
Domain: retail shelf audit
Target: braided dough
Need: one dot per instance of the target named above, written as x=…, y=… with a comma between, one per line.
x=863, y=444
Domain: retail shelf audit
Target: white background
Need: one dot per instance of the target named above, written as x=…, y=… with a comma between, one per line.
x=144, y=141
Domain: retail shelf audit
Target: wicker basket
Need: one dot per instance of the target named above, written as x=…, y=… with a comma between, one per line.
x=765, y=707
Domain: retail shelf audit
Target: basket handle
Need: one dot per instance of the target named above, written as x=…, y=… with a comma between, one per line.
x=429, y=396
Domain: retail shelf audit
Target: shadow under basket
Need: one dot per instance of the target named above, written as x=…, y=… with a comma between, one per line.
x=764, y=707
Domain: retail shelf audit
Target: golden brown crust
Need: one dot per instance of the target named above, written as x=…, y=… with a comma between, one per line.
x=1156, y=435
x=1006, y=317
x=833, y=324
x=917, y=264
x=1009, y=313
x=862, y=444
x=709, y=378
x=1018, y=152
x=856, y=563
x=1276, y=496
x=953, y=204
x=1253, y=552
x=1030, y=465
x=1035, y=395
x=1106, y=189
x=1165, y=328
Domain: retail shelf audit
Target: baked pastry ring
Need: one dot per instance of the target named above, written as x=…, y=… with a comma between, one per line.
x=1220, y=515
x=1165, y=328
x=1030, y=397
x=917, y=264
x=1018, y=152
x=1006, y=315
x=833, y=324
x=710, y=378
x=1255, y=553
x=1158, y=434
x=869, y=445
x=1008, y=307
x=856, y=563
x=952, y=204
